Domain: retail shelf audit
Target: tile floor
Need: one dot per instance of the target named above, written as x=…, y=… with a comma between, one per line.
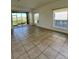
x=30, y=42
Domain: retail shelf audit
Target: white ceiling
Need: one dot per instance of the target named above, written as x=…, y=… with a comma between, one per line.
x=29, y=4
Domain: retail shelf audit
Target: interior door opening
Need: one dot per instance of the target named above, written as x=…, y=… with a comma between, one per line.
x=36, y=18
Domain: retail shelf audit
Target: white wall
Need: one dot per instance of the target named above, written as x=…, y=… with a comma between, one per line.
x=46, y=14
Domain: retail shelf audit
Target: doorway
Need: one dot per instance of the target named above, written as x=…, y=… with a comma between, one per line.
x=36, y=18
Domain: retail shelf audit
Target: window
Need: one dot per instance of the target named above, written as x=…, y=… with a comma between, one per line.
x=60, y=17
x=19, y=18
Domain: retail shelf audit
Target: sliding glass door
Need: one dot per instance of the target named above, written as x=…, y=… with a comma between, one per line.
x=19, y=19
x=24, y=18
x=14, y=19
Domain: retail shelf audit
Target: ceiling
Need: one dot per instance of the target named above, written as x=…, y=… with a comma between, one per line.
x=29, y=4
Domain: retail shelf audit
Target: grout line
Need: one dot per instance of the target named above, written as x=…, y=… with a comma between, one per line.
x=41, y=30
x=25, y=50
x=58, y=51
x=42, y=52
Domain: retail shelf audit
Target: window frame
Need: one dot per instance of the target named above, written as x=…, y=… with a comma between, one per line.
x=54, y=19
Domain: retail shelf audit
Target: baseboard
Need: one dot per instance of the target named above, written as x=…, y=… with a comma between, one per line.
x=51, y=30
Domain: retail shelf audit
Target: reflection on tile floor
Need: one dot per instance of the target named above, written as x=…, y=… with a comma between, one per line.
x=30, y=42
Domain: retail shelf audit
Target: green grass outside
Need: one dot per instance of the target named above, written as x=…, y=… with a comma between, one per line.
x=18, y=22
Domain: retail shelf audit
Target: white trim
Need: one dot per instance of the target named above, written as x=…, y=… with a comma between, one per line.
x=54, y=22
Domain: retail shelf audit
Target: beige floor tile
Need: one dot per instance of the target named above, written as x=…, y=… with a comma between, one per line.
x=34, y=52
x=44, y=44
x=60, y=36
x=39, y=39
x=64, y=50
x=66, y=44
x=57, y=45
x=16, y=45
x=50, y=53
x=24, y=56
x=36, y=41
x=59, y=56
x=34, y=36
x=52, y=38
x=17, y=52
x=42, y=47
x=25, y=41
x=42, y=56
x=28, y=46
x=14, y=41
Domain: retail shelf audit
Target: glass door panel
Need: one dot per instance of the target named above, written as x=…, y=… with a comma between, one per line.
x=14, y=20
x=24, y=16
x=19, y=18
